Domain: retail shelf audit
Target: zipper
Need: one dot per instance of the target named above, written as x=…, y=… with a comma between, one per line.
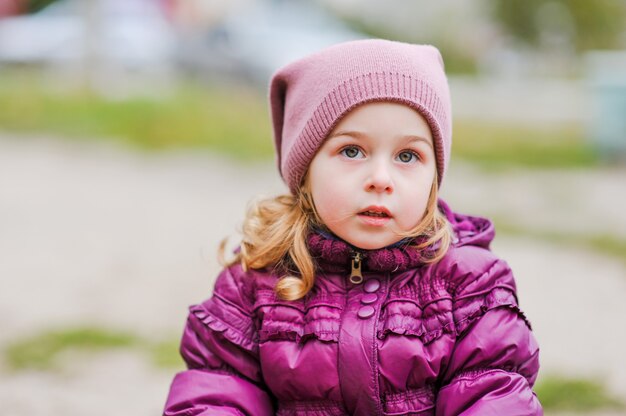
x=355, y=275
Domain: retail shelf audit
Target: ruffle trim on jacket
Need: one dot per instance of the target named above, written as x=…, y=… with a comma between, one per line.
x=471, y=308
x=325, y=330
x=404, y=316
x=298, y=320
x=215, y=324
x=300, y=328
x=440, y=318
x=407, y=325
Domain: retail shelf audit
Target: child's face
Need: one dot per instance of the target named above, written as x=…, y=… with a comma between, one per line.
x=379, y=158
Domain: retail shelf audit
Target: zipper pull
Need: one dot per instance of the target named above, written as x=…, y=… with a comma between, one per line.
x=356, y=277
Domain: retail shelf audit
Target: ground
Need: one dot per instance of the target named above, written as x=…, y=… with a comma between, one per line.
x=96, y=235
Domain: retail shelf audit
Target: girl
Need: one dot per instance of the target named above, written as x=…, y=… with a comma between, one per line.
x=360, y=292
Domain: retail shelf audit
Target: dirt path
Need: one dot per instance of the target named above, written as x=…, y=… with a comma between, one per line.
x=93, y=234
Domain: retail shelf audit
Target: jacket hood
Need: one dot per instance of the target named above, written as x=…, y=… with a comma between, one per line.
x=468, y=229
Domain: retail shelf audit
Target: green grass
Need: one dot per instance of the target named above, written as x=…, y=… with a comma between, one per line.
x=235, y=122
x=602, y=243
x=165, y=354
x=42, y=351
x=499, y=146
x=559, y=393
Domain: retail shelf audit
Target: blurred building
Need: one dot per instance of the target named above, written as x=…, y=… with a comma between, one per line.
x=251, y=39
x=133, y=34
x=209, y=39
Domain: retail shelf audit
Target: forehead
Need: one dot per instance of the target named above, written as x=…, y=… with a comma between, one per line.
x=384, y=120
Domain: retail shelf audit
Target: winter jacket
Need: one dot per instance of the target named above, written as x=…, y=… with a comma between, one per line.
x=412, y=339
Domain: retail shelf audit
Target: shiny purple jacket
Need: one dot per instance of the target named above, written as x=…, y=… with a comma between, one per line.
x=412, y=339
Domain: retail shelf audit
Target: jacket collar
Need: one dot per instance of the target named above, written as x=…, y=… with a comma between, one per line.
x=333, y=254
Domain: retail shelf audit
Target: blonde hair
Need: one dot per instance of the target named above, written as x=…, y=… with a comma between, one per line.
x=275, y=234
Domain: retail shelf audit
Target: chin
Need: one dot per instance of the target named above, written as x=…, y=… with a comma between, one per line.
x=371, y=244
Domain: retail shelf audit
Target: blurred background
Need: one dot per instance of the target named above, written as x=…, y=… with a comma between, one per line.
x=134, y=132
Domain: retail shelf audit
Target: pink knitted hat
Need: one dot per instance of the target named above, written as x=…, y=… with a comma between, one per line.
x=308, y=97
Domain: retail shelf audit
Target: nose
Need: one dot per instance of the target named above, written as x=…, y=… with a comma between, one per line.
x=379, y=178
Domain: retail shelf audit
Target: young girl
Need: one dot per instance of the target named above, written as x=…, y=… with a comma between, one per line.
x=360, y=292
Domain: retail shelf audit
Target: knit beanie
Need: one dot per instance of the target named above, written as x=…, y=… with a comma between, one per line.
x=309, y=96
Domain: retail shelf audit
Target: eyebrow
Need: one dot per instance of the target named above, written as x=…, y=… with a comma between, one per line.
x=361, y=135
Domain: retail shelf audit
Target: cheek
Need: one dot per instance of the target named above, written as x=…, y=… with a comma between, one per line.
x=329, y=193
x=415, y=201
x=331, y=201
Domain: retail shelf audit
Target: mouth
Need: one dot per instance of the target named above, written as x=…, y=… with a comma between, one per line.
x=376, y=212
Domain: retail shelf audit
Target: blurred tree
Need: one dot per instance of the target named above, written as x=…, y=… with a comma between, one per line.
x=36, y=5
x=598, y=24
x=457, y=58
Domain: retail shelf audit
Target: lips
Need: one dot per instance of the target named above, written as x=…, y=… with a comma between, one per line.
x=375, y=216
x=376, y=211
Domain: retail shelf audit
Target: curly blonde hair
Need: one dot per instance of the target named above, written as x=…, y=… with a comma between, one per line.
x=275, y=234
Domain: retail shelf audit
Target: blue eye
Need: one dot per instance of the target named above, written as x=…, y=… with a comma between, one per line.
x=408, y=156
x=350, y=152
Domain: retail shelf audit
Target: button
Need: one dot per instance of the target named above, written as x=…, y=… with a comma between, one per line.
x=371, y=285
x=366, y=312
x=369, y=298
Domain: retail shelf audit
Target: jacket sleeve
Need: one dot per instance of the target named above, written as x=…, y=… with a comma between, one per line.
x=495, y=361
x=219, y=347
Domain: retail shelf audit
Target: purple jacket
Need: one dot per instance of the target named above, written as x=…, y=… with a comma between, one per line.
x=412, y=339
